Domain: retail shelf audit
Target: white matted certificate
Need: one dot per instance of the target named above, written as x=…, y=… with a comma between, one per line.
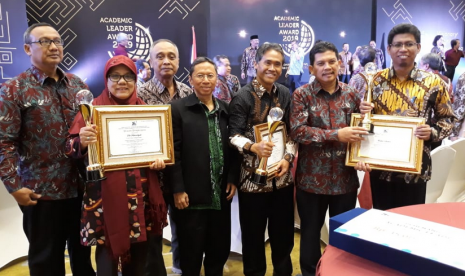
x=393, y=147
x=387, y=143
x=279, y=138
x=133, y=136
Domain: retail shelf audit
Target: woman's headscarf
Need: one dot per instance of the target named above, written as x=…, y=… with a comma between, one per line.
x=106, y=98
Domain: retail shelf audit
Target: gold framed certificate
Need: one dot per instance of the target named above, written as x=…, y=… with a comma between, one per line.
x=133, y=136
x=392, y=147
x=279, y=138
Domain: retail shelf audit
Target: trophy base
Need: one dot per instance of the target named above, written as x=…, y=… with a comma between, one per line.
x=259, y=177
x=95, y=173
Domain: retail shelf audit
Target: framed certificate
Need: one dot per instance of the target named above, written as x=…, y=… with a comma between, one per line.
x=133, y=136
x=393, y=147
x=279, y=138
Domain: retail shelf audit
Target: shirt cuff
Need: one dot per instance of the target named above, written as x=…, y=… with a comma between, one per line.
x=331, y=135
x=240, y=142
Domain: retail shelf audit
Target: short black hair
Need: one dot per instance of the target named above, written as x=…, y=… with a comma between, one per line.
x=435, y=40
x=453, y=42
x=27, y=33
x=433, y=60
x=199, y=60
x=366, y=54
x=140, y=64
x=262, y=50
x=345, y=44
x=404, y=28
x=217, y=59
x=322, y=47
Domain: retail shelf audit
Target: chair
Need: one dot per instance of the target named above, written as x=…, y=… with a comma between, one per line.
x=455, y=184
x=442, y=159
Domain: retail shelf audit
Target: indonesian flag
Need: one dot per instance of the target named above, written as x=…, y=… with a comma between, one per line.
x=194, y=46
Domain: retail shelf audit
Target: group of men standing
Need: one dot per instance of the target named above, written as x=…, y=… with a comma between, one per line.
x=317, y=119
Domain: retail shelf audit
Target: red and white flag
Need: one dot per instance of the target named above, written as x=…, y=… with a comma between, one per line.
x=194, y=46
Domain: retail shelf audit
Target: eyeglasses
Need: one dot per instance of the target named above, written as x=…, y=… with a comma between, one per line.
x=47, y=42
x=117, y=78
x=202, y=77
x=407, y=45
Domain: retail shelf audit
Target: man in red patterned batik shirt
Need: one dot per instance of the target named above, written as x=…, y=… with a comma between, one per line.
x=37, y=108
x=320, y=118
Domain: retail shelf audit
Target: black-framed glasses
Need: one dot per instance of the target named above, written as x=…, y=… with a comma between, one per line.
x=127, y=77
x=48, y=42
x=202, y=76
x=407, y=45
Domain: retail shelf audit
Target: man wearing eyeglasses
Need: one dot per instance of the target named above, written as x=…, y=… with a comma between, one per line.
x=404, y=90
x=37, y=109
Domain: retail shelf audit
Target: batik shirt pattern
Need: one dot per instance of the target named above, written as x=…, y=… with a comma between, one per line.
x=424, y=94
x=35, y=115
x=247, y=63
x=316, y=117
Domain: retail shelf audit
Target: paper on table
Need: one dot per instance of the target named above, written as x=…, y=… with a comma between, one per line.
x=438, y=242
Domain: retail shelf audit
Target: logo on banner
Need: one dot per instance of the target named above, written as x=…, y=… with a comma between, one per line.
x=292, y=28
x=139, y=36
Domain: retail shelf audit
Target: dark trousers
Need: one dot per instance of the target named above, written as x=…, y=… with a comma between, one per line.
x=203, y=232
x=255, y=211
x=107, y=266
x=294, y=82
x=450, y=72
x=397, y=193
x=344, y=78
x=48, y=226
x=155, y=264
x=312, y=211
x=174, y=240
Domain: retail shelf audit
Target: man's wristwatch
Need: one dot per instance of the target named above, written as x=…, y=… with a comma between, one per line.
x=289, y=157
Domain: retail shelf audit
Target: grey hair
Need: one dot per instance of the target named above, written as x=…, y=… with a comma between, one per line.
x=27, y=33
x=433, y=60
x=121, y=36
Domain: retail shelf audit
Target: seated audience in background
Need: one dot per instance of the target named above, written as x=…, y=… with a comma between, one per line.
x=366, y=54
x=322, y=134
x=459, y=109
x=37, y=107
x=432, y=63
x=143, y=72
x=121, y=211
x=203, y=177
x=227, y=85
x=453, y=58
x=346, y=62
x=405, y=90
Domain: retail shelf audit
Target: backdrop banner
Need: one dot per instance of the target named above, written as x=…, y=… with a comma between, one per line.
x=89, y=29
x=432, y=17
x=13, y=23
x=336, y=21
